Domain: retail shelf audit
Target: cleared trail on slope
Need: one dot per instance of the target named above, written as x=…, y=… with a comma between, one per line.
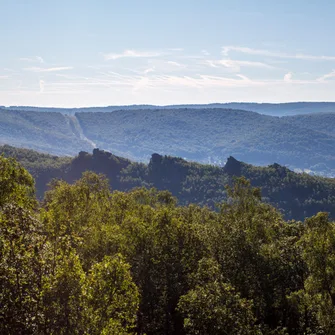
x=77, y=130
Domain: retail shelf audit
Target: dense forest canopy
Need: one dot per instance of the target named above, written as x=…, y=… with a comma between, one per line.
x=206, y=134
x=91, y=261
x=297, y=195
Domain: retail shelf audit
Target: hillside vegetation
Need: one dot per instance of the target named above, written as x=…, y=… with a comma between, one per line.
x=47, y=132
x=215, y=133
x=322, y=122
x=91, y=261
x=296, y=195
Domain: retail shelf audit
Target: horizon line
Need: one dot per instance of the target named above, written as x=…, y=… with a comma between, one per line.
x=171, y=105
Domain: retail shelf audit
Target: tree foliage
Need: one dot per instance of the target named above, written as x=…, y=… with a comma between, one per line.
x=92, y=261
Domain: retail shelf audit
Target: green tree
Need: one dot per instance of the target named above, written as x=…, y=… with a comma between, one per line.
x=82, y=213
x=22, y=268
x=16, y=184
x=63, y=296
x=318, y=244
x=113, y=297
x=214, y=307
x=21, y=250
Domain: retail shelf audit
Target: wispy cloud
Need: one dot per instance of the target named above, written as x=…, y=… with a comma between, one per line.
x=175, y=49
x=131, y=86
x=236, y=65
x=267, y=53
x=151, y=79
x=35, y=59
x=49, y=69
x=329, y=75
x=141, y=82
x=176, y=64
x=133, y=54
x=42, y=85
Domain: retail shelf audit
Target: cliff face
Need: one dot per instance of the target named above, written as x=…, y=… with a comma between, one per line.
x=167, y=172
x=100, y=162
x=233, y=167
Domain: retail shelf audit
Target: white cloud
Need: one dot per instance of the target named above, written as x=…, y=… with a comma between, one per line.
x=50, y=69
x=242, y=63
x=40, y=59
x=261, y=52
x=35, y=59
x=132, y=54
x=148, y=70
x=288, y=77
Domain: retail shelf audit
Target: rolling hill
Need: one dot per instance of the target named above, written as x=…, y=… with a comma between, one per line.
x=209, y=135
x=50, y=132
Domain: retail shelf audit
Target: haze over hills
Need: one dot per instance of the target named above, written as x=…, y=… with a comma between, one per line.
x=199, y=133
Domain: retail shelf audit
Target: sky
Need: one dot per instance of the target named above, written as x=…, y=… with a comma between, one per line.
x=71, y=53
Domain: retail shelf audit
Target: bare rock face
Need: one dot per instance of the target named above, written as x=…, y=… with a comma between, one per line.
x=233, y=167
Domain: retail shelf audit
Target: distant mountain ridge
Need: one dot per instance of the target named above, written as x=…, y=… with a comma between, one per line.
x=274, y=109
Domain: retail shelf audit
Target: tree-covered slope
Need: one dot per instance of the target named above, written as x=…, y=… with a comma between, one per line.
x=322, y=122
x=49, y=132
x=297, y=195
x=200, y=134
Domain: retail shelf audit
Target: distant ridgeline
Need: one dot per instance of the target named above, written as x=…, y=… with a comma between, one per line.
x=206, y=134
x=297, y=195
x=280, y=109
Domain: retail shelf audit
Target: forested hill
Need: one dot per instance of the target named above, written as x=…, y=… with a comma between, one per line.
x=52, y=132
x=297, y=195
x=205, y=135
x=322, y=122
x=213, y=134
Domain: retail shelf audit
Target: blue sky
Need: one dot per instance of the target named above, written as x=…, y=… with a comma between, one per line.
x=94, y=53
